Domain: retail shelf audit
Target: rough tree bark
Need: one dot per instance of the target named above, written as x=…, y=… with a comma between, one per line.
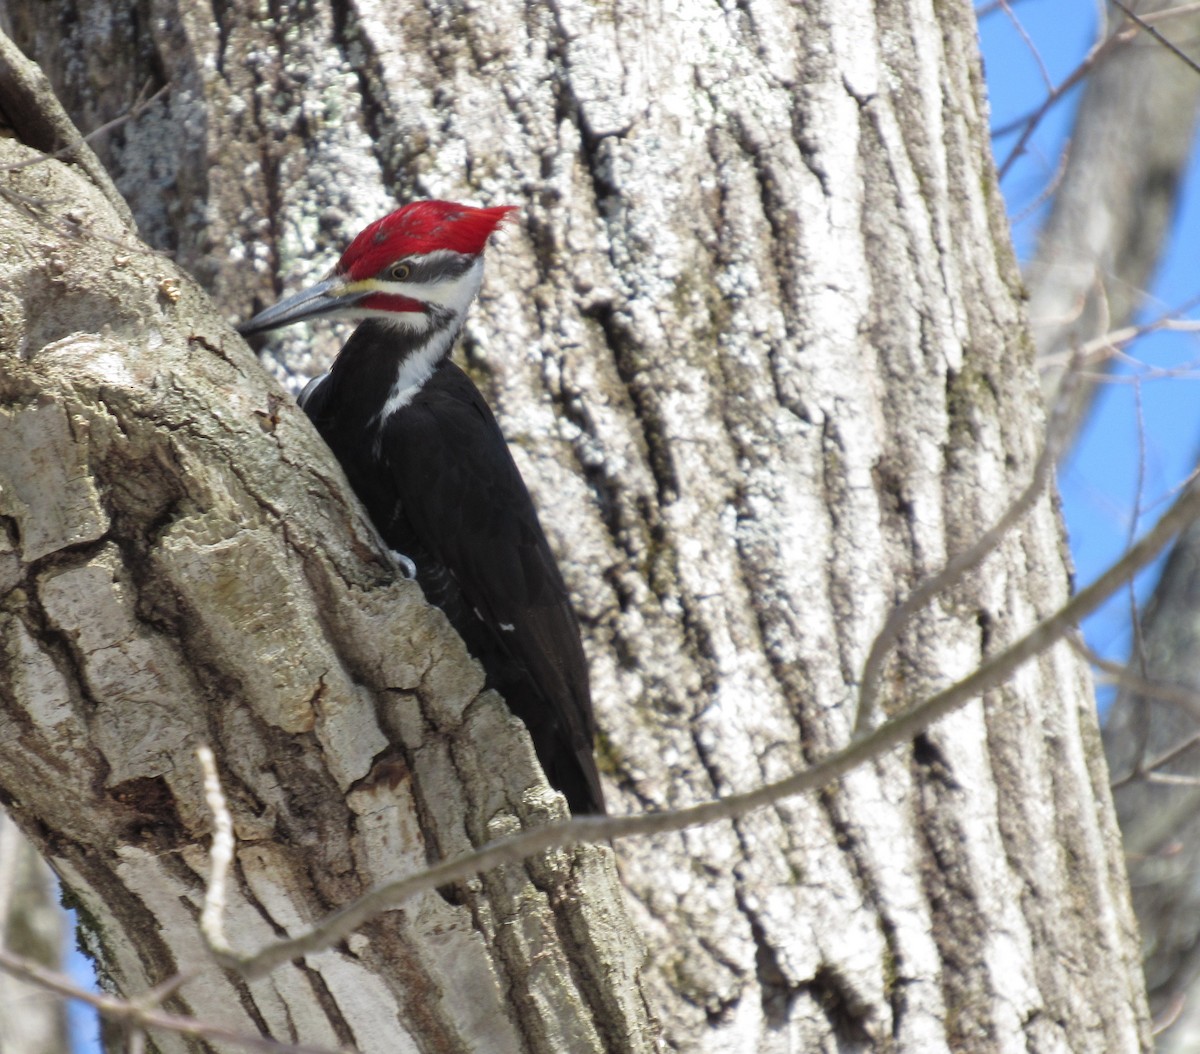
x=183, y=567
x=758, y=343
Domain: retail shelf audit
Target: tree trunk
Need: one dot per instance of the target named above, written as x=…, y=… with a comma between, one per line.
x=1100, y=246
x=32, y=1021
x=185, y=567
x=1098, y=251
x=1150, y=740
x=758, y=345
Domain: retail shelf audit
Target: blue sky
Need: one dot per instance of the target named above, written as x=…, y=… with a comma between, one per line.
x=1145, y=428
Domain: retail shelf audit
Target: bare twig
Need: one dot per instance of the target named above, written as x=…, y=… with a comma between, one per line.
x=42, y=123
x=1149, y=769
x=1144, y=22
x=1177, y=695
x=1101, y=50
x=139, y=107
x=1119, y=675
x=136, y=1016
x=1032, y=121
x=1030, y=46
x=1107, y=344
x=899, y=729
x=963, y=562
x=1169, y=1014
x=212, y=919
x=1172, y=779
x=1048, y=191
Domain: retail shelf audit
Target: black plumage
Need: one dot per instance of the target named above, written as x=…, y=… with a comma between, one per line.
x=423, y=452
x=441, y=487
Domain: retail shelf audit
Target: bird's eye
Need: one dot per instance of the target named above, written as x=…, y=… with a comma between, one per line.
x=400, y=272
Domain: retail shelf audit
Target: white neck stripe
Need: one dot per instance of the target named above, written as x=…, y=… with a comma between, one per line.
x=453, y=298
x=415, y=370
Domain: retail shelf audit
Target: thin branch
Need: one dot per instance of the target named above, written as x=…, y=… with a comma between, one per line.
x=1032, y=121
x=163, y=991
x=1120, y=676
x=139, y=107
x=134, y=1015
x=1169, y=1014
x=991, y=7
x=1144, y=23
x=898, y=730
x=212, y=919
x=1048, y=191
x=1103, y=346
x=1172, y=779
x=1149, y=769
x=1139, y=495
x=1029, y=44
x=39, y=121
x=965, y=561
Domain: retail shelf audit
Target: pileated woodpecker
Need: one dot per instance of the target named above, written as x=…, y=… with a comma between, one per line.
x=423, y=452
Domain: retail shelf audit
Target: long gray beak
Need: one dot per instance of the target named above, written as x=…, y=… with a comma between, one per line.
x=324, y=298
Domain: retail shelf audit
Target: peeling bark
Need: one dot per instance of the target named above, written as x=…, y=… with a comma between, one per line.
x=758, y=345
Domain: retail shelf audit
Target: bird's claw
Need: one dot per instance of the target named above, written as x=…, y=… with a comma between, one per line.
x=407, y=567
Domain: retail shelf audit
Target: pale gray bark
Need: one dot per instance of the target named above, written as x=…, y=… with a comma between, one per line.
x=182, y=567
x=757, y=340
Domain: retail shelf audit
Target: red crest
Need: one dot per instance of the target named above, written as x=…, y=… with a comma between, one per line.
x=418, y=228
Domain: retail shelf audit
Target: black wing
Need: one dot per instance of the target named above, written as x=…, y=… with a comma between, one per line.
x=469, y=509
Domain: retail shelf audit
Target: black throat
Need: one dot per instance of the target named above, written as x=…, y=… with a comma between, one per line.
x=365, y=373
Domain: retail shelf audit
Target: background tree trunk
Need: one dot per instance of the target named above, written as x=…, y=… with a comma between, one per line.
x=32, y=1020
x=1101, y=243
x=758, y=345
x=1098, y=251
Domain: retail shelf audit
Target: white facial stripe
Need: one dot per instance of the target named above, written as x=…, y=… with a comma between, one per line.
x=448, y=300
x=453, y=294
